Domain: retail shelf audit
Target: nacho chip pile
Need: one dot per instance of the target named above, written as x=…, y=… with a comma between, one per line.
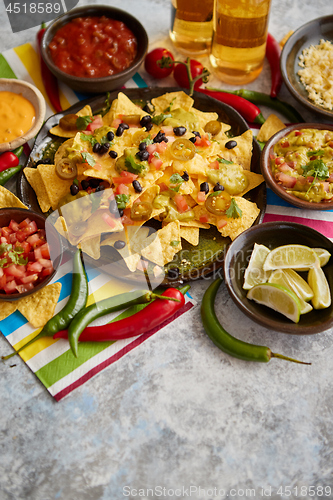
x=131, y=167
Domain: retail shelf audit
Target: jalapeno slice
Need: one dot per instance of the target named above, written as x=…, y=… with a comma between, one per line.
x=213, y=127
x=131, y=119
x=217, y=203
x=66, y=169
x=182, y=149
x=68, y=122
x=141, y=210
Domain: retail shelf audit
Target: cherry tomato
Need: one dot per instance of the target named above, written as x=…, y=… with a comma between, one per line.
x=180, y=74
x=153, y=66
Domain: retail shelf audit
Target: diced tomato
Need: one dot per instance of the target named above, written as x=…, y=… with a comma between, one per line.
x=161, y=147
x=286, y=180
x=298, y=132
x=14, y=225
x=6, y=231
x=4, y=239
x=168, y=129
x=45, y=249
x=25, y=288
x=279, y=160
x=25, y=247
x=13, y=238
x=221, y=223
x=3, y=281
x=163, y=187
x=24, y=223
x=27, y=230
x=203, y=218
x=37, y=253
x=214, y=164
x=156, y=162
x=31, y=256
x=122, y=189
x=46, y=272
x=272, y=156
x=203, y=142
x=326, y=186
x=330, y=179
x=45, y=262
x=109, y=220
x=96, y=123
x=201, y=197
x=29, y=278
x=34, y=267
x=15, y=270
x=127, y=221
x=10, y=287
x=283, y=167
x=35, y=240
x=128, y=175
x=42, y=234
x=116, y=122
x=180, y=201
x=151, y=148
x=285, y=144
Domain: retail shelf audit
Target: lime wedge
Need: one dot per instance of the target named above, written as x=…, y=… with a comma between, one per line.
x=291, y=257
x=323, y=256
x=318, y=282
x=254, y=273
x=292, y=280
x=277, y=297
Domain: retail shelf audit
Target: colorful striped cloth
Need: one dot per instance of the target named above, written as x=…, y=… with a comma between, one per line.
x=51, y=360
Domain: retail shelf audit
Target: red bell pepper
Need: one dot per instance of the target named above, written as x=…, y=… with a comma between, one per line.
x=143, y=321
x=10, y=159
x=49, y=80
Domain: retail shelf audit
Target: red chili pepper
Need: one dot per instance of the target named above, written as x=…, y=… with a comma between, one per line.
x=49, y=80
x=10, y=159
x=250, y=112
x=273, y=52
x=148, y=318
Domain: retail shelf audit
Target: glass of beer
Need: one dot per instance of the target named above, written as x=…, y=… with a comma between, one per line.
x=239, y=39
x=192, y=26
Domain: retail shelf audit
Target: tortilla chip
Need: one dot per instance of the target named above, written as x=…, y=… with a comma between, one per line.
x=62, y=150
x=194, y=167
x=60, y=132
x=162, y=246
x=131, y=235
x=8, y=199
x=92, y=247
x=96, y=225
x=190, y=234
x=34, y=178
x=55, y=187
x=234, y=227
x=122, y=106
x=240, y=154
x=39, y=307
x=7, y=308
x=272, y=125
x=173, y=99
x=254, y=181
x=194, y=223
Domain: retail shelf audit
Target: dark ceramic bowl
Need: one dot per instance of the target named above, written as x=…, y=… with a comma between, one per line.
x=274, y=234
x=106, y=83
x=265, y=166
x=309, y=34
x=52, y=237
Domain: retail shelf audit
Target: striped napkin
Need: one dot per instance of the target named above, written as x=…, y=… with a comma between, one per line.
x=52, y=360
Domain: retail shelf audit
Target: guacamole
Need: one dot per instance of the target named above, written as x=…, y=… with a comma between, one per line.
x=302, y=163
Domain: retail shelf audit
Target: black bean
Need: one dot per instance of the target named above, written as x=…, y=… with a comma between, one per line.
x=113, y=154
x=143, y=155
x=142, y=146
x=94, y=182
x=110, y=136
x=84, y=184
x=160, y=137
x=173, y=273
x=185, y=176
x=120, y=212
x=179, y=131
x=230, y=144
x=146, y=122
x=121, y=129
x=197, y=134
x=104, y=148
x=119, y=244
x=45, y=161
x=74, y=189
x=204, y=187
x=137, y=186
x=193, y=139
x=218, y=187
x=100, y=187
x=113, y=207
x=96, y=147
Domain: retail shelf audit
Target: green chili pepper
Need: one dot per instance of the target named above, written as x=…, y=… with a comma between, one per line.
x=76, y=302
x=8, y=174
x=107, y=306
x=226, y=342
x=18, y=151
x=260, y=98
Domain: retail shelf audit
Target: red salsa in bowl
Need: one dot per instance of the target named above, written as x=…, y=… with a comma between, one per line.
x=93, y=47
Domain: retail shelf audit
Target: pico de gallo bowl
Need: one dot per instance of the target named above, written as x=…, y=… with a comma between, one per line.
x=30, y=252
x=297, y=164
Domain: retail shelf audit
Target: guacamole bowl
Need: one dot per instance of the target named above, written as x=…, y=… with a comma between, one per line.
x=295, y=167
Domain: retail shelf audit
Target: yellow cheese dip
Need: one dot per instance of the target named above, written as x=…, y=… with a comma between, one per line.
x=17, y=116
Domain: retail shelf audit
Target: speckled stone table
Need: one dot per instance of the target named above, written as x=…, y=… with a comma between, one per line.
x=177, y=418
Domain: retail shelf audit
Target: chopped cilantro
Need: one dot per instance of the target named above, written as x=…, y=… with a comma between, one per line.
x=122, y=200
x=158, y=119
x=318, y=169
x=318, y=152
x=89, y=138
x=132, y=166
x=148, y=140
x=168, y=109
x=82, y=122
x=13, y=255
x=176, y=180
x=174, y=243
x=215, y=193
x=234, y=211
x=88, y=158
x=5, y=247
x=223, y=160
